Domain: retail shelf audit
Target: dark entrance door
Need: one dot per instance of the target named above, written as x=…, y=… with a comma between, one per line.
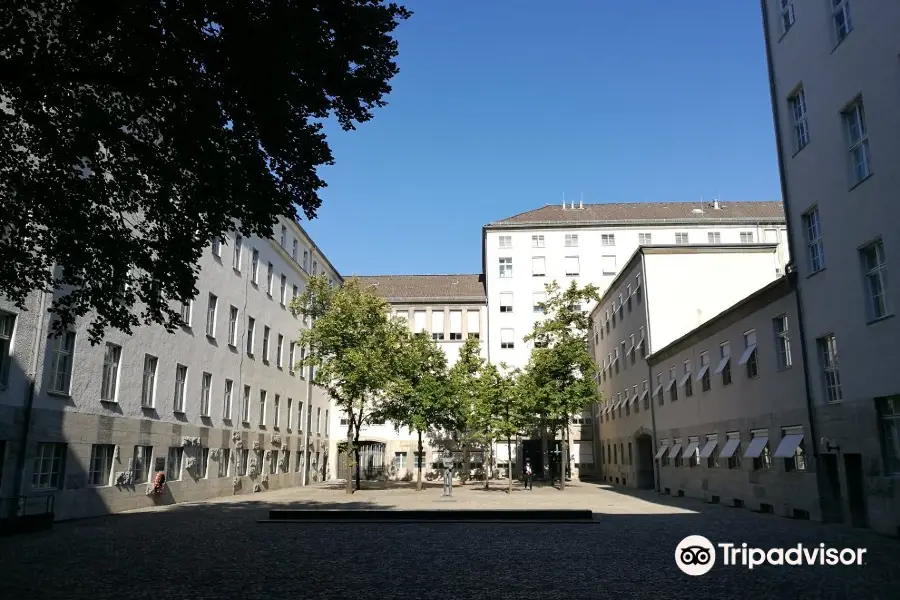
x=831, y=489
x=531, y=452
x=856, y=490
x=644, y=469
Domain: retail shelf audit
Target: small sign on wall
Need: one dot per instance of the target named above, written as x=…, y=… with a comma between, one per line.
x=160, y=464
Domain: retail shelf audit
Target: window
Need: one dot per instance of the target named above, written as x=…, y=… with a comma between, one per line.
x=758, y=450
x=306, y=261
x=302, y=358
x=270, y=276
x=506, y=302
x=658, y=392
x=673, y=388
x=437, y=325
x=226, y=401
x=724, y=368
x=746, y=237
x=245, y=405
x=889, y=421
x=875, y=275
x=681, y=238
x=537, y=241
x=506, y=268
x=173, y=463
x=749, y=358
x=243, y=460
x=283, y=240
x=224, y=459
x=48, y=467
x=276, y=409
x=203, y=463
x=290, y=413
x=506, y=339
x=732, y=450
x=400, y=460
x=205, y=389
x=703, y=374
x=318, y=419
x=294, y=294
x=608, y=264
x=797, y=106
x=828, y=359
x=211, y=309
x=714, y=237
x=180, y=387
x=315, y=268
x=148, y=385
x=254, y=266
x=711, y=451
x=692, y=452
x=791, y=449
x=473, y=324
x=110, y=380
x=262, y=407
x=687, y=379
x=787, y=15
x=309, y=417
x=572, y=266
x=814, y=245
x=251, y=331
x=662, y=453
x=675, y=453
x=236, y=258
x=292, y=349
x=782, y=341
x=186, y=310
x=537, y=300
x=456, y=325
x=608, y=239
x=538, y=266
x=299, y=461
x=571, y=240
x=506, y=241
x=858, y=139
x=61, y=358
x=217, y=247
x=101, y=464
x=140, y=464
x=840, y=14
x=232, y=326
x=283, y=290
x=294, y=250
x=265, y=343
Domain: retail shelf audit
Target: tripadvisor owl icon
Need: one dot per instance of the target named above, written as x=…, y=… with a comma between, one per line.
x=695, y=555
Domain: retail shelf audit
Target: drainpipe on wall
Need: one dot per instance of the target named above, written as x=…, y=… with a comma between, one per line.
x=650, y=373
x=790, y=270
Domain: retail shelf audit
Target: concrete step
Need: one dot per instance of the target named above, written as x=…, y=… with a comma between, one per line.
x=445, y=515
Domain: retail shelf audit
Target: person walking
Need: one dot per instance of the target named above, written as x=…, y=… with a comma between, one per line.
x=529, y=475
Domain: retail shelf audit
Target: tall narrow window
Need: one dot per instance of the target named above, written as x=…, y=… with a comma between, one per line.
x=797, y=104
x=140, y=463
x=236, y=258
x=306, y=261
x=180, y=388
x=206, y=384
x=858, y=138
x=148, y=385
x=874, y=269
x=724, y=368
x=7, y=328
x=262, y=407
x=814, y=246
x=61, y=359
x=279, y=352
x=787, y=15
x=437, y=325
x=270, y=279
x=473, y=324
x=456, y=325
x=217, y=247
x=211, y=310
x=283, y=290
x=186, y=310
x=245, y=405
x=251, y=331
x=276, y=410
x=290, y=413
x=828, y=360
x=173, y=463
x=749, y=358
x=315, y=268
x=227, y=399
x=292, y=347
x=294, y=250
x=232, y=326
x=889, y=424
x=703, y=373
x=782, y=341
x=265, y=342
x=507, y=339
x=506, y=302
x=254, y=266
x=840, y=15
x=109, y=387
x=101, y=464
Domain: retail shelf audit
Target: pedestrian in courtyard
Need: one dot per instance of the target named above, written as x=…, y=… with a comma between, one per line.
x=529, y=474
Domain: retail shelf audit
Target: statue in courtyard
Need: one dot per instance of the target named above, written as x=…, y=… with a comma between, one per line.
x=447, y=462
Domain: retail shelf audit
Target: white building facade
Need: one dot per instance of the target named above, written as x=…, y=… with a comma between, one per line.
x=216, y=406
x=835, y=82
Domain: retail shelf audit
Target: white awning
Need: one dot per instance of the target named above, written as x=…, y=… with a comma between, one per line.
x=702, y=372
x=614, y=360
x=788, y=445
x=722, y=364
x=754, y=450
x=639, y=343
x=657, y=390
x=708, y=449
x=644, y=394
x=691, y=448
x=675, y=450
x=730, y=446
x=684, y=379
x=634, y=399
x=661, y=451
x=670, y=384
x=631, y=349
x=747, y=353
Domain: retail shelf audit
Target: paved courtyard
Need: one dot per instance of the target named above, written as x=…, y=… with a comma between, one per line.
x=217, y=550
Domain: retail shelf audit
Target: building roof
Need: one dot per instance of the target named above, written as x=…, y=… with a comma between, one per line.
x=647, y=212
x=427, y=288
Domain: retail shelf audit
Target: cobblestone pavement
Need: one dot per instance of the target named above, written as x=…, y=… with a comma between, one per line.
x=216, y=550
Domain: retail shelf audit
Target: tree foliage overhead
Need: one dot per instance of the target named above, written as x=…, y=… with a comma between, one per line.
x=133, y=133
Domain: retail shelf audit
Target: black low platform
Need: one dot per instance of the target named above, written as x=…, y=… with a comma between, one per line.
x=431, y=516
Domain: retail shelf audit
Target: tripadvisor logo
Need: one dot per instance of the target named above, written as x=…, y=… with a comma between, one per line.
x=695, y=555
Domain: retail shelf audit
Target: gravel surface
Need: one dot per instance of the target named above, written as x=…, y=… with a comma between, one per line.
x=217, y=550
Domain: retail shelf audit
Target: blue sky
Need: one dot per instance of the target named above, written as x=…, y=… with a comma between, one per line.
x=503, y=106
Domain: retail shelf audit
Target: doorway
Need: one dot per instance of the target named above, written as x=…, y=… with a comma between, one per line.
x=856, y=490
x=644, y=468
x=832, y=505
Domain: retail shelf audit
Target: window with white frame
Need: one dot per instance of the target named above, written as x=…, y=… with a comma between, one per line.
x=724, y=368
x=573, y=267
x=746, y=237
x=61, y=359
x=283, y=289
x=205, y=391
x=456, y=325
x=681, y=237
x=792, y=449
x=48, y=466
x=100, y=467
x=236, y=257
x=828, y=360
x=242, y=461
x=505, y=241
x=608, y=239
x=749, y=357
x=279, y=352
x=227, y=399
x=787, y=15
x=276, y=411
x=714, y=237
x=507, y=338
x=292, y=357
x=318, y=419
x=290, y=414
x=400, y=460
x=232, y=326
x=506, y=302
x=180, y=388
x=303, y=358
x=265, y=344
x=858, y=138
x=140, y=464
x=217, y=247
x=840, y=17
x=687, y=379
x=782, y=341
x=294, y=250
x=254, y=267
x=270, y=279
x=173, y=463
x=419, y=318
x=758, y=450
x=306, y=260
x=437, y=325
x=283, y=239
x=645, y=239
x=571, y=240
x=703, y=373
x=203, y=463
x=294, y=291
x=874, y=268
x=888, y=409
x=224, y=460
x=673, y=384
x=109, y=386
x=797, y=105
x=148, y=384
x=506, y=268
x=245, y=405
x=251, y=331
x=186, y=309
x=608, y=264
x=814, y=244
x=211, y=309
x=263, y=396
x=315, y=268
x=538, y=266
x=473, y=324
x=537, y=241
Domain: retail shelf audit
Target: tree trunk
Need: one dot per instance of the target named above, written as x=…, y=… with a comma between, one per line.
x=465, y=460
x=348, y=452
x=356, y=456
x=509, y=465
x=490, y=466
x=562, y=458
x=545, y=452
x=420, y=459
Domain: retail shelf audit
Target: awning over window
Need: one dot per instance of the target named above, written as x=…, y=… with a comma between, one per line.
x=630, y=350
x=684, y=379
x=788, y=445
x=747, y=353
x=709, y=448
x=730, y=446
x=754, y=450
x=675, y=450
x=661, y=451
x=722, y=364
x=670, y=384
x=634, y=399
x=657, y=390
x=702, y=372
x=644, y=394
x=691, y=448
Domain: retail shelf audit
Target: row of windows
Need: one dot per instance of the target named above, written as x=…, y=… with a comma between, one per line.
x=438, y=326
x=790, y=449
x=841, y=22
x=237, y=256
x=615, y=315
x=49, y=464
x=609, y=239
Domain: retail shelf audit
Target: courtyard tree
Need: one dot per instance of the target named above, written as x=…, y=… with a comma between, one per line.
x=353, y=350
x=497, y=411
x=133, y=134
x=420, y=397
x=464, y=376
x=559, y=378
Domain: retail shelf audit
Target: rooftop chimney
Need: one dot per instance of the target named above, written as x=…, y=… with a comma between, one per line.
x=716, y=204
x=581, y=202
x=573, y=204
